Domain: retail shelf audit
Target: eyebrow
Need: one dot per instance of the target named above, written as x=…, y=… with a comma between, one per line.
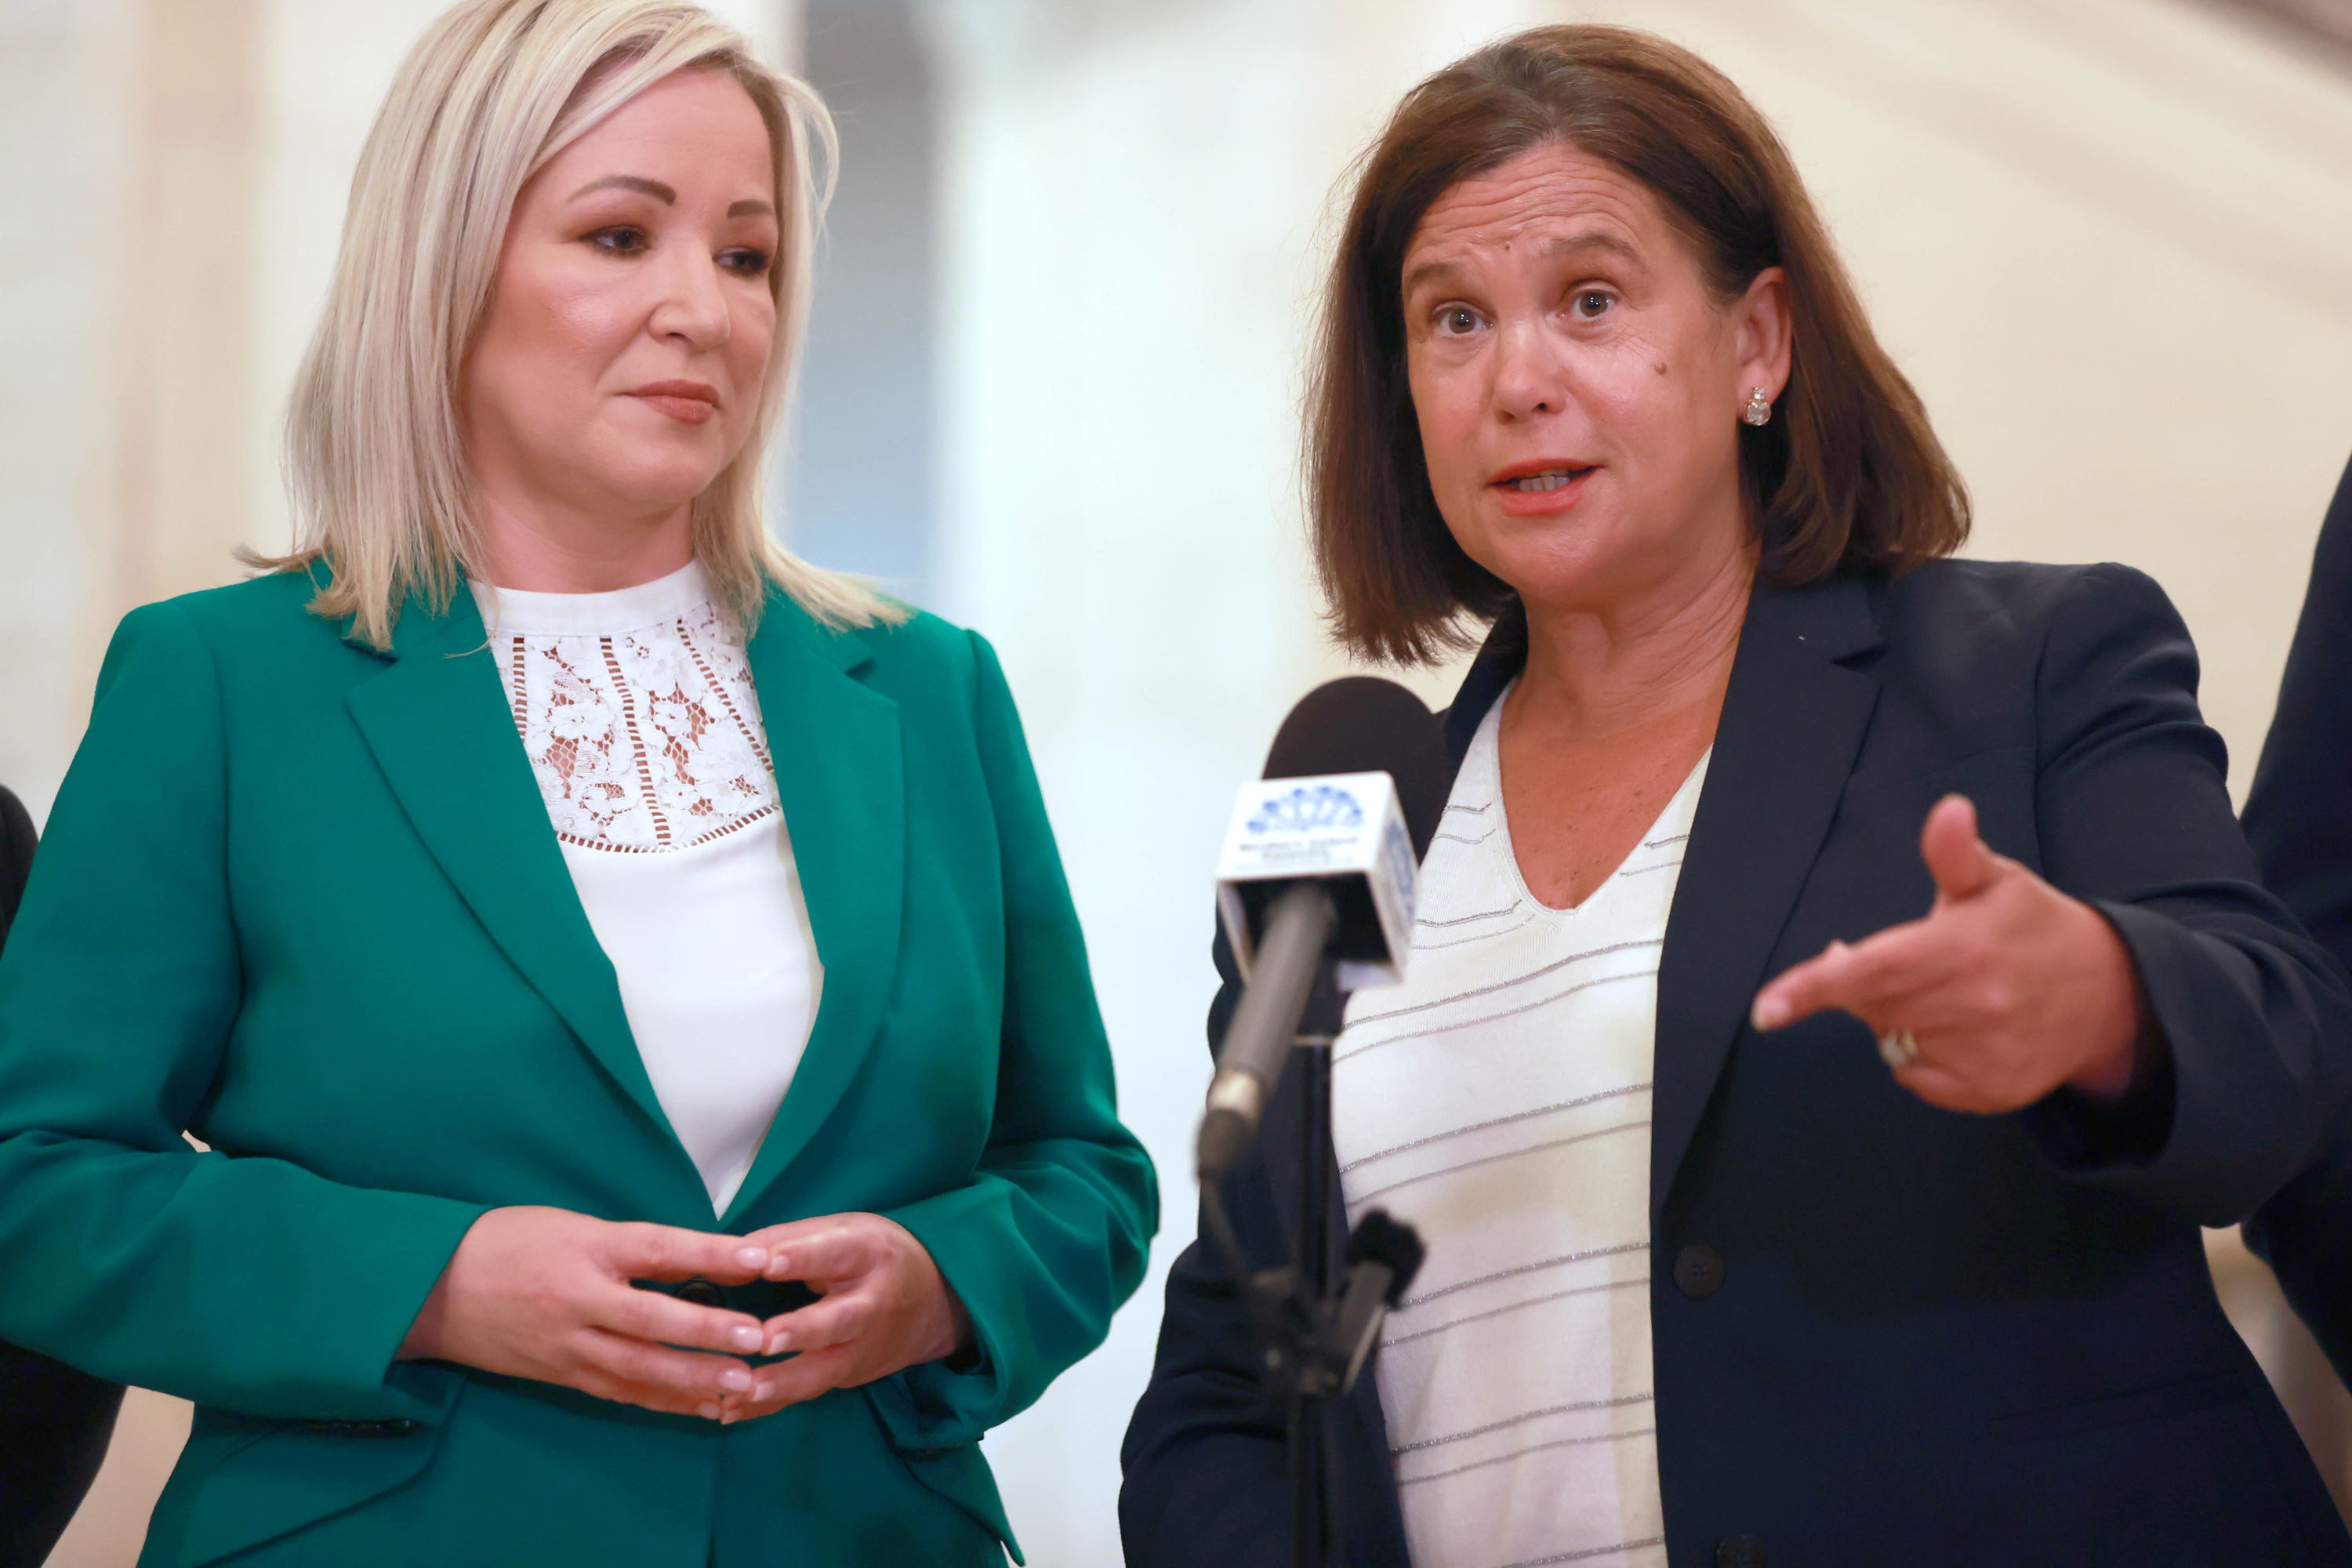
x=665, y=194
x=1591, y=240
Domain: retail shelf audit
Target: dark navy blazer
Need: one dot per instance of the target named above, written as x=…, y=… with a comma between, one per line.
x=1886, y=1334
x=2299, y=819
x=54, y=1421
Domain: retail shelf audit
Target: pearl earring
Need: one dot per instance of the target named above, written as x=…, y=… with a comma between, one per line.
x=1759, y=411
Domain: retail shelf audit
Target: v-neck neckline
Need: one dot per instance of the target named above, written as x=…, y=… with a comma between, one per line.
x=1681, y=808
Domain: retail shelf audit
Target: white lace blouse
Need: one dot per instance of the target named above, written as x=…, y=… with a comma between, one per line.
x=637, y=710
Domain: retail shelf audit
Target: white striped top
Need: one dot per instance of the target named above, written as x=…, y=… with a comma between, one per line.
x=1499, y=1100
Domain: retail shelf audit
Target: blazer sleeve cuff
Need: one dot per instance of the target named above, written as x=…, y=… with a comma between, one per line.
x=2181, y=1138
x=399, y=1265
x=942, y=1404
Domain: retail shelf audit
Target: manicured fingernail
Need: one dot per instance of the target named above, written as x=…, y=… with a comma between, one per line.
x=744, y=1336
x=730, y=1418
x=762, y=1390
x=708, y=1412
x=1770, y=1012
x=777, y=1264
x=782, y=1342
x=751, y=1256
x=735, y=1380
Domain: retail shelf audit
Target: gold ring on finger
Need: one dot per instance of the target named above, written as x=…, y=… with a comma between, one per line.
x=1899, y=1049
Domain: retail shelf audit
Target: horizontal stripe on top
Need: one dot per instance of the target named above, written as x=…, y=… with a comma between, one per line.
x=1499, y=1100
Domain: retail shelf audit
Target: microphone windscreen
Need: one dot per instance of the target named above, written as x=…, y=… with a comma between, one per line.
x=1362, y=724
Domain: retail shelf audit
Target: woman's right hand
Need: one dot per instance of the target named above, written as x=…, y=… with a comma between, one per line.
x=545, y=1293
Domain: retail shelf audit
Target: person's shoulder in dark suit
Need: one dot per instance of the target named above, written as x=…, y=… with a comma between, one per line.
x=54, y=1421
x=16, y=856
x=2298, y=818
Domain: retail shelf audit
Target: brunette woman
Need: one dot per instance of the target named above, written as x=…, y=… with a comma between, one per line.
x=1841, y=990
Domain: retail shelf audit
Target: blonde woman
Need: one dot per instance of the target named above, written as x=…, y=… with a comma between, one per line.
x=657, y=1109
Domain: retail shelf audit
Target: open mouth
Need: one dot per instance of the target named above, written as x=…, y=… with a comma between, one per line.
x=1548, y=481
x=1543, y=483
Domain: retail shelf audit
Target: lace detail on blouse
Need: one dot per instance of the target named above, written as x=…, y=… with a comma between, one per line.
x=641, y=740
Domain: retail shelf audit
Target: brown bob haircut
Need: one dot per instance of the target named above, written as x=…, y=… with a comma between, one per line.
x=1848, y=476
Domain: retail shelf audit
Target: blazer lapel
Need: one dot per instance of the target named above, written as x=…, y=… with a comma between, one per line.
x=1794, y=718
x=1501, y=660
x=439, y=723
x=841, y=777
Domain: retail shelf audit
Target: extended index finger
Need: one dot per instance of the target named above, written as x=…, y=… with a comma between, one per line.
x=1893, y=962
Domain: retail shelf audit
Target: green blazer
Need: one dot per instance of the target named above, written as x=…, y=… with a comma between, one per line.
x=302, y=900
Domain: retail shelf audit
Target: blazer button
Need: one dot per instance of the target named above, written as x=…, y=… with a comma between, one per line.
x=700, y=1292
x=1698, y=1274
x=1738, y=1551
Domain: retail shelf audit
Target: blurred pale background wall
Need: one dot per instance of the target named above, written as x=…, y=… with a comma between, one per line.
x=1053, y=385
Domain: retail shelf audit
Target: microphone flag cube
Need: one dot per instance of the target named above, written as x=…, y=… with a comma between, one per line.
x=1345, y=829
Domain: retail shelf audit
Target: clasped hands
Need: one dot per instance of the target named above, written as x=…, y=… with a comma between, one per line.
x=547, y=1294
x=2007, y=989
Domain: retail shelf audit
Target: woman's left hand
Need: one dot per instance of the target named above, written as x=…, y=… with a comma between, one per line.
x=2005, y=991
x=882, y=1307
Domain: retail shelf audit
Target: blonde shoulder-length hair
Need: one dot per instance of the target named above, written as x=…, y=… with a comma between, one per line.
x=376, y=466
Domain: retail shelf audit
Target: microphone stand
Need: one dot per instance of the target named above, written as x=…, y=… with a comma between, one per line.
x=1311, y=1479
x=1314, y=1340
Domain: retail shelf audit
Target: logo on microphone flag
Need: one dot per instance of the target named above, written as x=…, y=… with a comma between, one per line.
x=1305, y=808
x=1346, y=827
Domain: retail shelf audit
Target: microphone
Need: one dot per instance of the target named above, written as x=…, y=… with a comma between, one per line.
x=1315, y=885
x=1383, y=1258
